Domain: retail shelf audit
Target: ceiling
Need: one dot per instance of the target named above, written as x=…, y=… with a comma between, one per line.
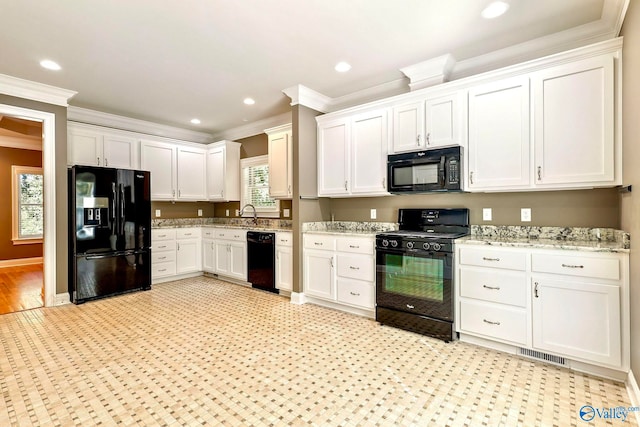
x=168, y=62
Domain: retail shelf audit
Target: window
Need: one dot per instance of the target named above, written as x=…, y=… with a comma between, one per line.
x=27, y=203
x=255, y=187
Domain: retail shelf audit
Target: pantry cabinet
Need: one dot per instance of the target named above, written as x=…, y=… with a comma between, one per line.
x=280, y=162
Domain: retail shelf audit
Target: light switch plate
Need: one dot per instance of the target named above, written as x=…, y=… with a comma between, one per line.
x=525, y=214
x=199, y=212
x=486, y=214
x=374, y=214
x=157, y=213
x=286, y=213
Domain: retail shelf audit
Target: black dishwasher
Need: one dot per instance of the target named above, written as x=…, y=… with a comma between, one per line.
x=261, y=260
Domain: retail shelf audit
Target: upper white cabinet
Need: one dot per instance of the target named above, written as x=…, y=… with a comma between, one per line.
x=280, y=162
x=93, y=146
x=431, y=122
x=352, y=155
x=177, y=172
x=499, y=135
x=223, y=171
x=574, y=123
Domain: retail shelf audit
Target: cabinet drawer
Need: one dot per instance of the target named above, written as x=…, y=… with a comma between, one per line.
x=487, y=284
x=284, y=239
x=583, y=266
x=166, y=256
x=485, y=257
x=357, y=245
x=164, y=246
x=356, y=292
x=163, y=269
x=187, y=233
x=231, y=234
x=208, y=233
x=356, y=267
x=315, y=241
x=504, y=323
x=163, y=234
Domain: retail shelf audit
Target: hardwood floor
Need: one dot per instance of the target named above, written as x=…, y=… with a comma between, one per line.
x=21, y=288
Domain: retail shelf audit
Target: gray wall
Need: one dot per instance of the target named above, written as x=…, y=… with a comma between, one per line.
x=61, y=181
x=630, y=202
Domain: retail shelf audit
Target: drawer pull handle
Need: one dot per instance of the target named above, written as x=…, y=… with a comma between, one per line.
x=354, y=294
x=354, y=246
x=354, y=268
x=317, y=243
x=162, y=257
x=284, y=240
x=162, y=269
x=410, y=306
x=187, y=234
x=162, y=235
x=572, y=266
x=494, y=288
x=490, y=322
x=162, y=247
x=490, y=259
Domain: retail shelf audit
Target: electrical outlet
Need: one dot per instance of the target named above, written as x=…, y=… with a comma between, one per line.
x=486, y=214
x=157, y=213
x=525, y=214
x=227, y=212
x=237, y=212
x=286, y=213
x=374, y=214
x=199, y=212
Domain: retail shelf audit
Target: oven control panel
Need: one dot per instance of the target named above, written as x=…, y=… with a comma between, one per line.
x=413, y=244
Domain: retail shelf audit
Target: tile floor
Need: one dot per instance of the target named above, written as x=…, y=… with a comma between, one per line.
x=205, y=352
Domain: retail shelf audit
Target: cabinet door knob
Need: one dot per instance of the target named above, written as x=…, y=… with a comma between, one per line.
x=471, y=177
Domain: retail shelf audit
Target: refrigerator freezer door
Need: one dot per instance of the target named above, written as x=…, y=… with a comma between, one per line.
x=134, y=210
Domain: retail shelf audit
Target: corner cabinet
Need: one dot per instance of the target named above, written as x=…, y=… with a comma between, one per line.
x=352, y=155
x=280, y=162
x=223, y=171
x=569, y=304
x=94, y=146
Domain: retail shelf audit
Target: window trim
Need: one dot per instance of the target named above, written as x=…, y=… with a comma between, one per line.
x=260, y=212
x=15, y=205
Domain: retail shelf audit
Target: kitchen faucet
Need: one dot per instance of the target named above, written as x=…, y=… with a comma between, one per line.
x=255, y=215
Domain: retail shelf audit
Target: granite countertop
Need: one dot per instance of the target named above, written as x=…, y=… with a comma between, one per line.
x=349, y=228
x=563, y=238
x=232, y=223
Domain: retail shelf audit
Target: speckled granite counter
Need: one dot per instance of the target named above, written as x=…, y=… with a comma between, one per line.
x=244, y=223
x=564, y=238
x=348, y=227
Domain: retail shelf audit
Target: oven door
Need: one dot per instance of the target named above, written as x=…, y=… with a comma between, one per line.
x=415, y=282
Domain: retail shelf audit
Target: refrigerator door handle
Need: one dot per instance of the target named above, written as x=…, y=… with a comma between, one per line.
x=121, y=209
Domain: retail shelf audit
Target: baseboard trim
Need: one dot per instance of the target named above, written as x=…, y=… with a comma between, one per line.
x=20, y=261
x=297, y=298
x=62, y=299
x=634, y=393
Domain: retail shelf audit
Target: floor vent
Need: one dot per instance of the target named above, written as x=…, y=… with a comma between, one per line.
x=543, y=356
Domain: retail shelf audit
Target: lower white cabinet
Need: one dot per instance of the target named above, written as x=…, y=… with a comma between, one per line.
x=163, y=253
x=230, y=252
x=284, y=261
x=340, y=270
x=208, y=251
x=572, y=304
x=188, y=250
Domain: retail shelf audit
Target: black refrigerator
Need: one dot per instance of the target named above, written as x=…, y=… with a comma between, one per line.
x=109, y=232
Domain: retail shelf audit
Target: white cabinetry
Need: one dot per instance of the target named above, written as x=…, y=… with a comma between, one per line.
x=499, y=135
x=223, y=171
x=284, y=261
x=208, y=250
x=163, y=253
x=574, y=123
x=431, y=122
x=94, y=146
x=352, y=155
x=571, y=304
x=280, y=162
x=177, y=172
x=231, y=253
x=188, y=250
x=339, y=271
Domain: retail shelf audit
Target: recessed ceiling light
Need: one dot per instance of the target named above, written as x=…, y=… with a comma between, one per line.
x=249, y=101
x=195, y=121
x=50, y=65
x=342, y=67
x=494, y=9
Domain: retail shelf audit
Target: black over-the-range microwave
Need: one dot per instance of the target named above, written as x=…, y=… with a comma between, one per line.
x=426, y=171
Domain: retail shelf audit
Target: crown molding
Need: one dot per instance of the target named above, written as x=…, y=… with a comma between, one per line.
x=375, y=93
x=253, y=128
x=92, y=117
x=429, y=73
x=34, y=91
x=277, y=129
x=302, y=95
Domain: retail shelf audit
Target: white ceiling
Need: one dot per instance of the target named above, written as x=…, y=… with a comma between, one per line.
x=170, y=61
